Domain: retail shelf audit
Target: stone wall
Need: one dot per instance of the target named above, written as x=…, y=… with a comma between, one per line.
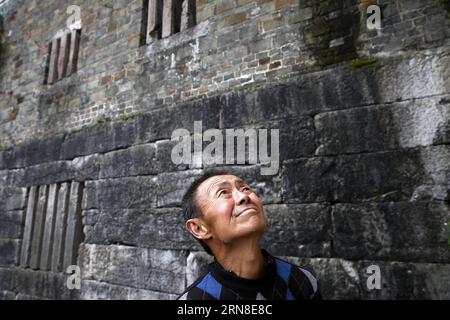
x=364, y=119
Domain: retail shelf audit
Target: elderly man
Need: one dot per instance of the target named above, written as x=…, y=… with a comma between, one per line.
x=227, y=217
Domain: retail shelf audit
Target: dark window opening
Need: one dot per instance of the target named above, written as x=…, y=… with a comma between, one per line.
x=163, y=18
x=62, y=57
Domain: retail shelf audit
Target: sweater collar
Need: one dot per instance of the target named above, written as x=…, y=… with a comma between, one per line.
x=231, y=280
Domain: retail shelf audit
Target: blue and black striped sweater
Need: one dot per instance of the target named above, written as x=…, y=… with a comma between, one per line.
x=280, y=281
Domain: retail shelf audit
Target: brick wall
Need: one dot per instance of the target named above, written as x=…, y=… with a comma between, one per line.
x=364, y=139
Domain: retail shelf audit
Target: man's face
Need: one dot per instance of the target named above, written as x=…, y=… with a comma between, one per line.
x=230, y=209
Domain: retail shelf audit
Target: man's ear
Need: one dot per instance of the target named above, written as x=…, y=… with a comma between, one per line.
x=198, y=228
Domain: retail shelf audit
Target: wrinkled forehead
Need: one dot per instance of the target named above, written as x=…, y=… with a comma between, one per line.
x=208, y=186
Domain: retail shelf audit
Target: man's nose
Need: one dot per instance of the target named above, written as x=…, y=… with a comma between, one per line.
x=241, y=197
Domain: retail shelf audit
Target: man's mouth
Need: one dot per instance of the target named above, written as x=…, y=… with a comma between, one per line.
x=245, y=210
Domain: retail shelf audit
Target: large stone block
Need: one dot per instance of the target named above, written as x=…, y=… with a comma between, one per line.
x=99, y=139
x=6, y=278
x=377, y=128
x=7, y=295
x=152, y=228
x=404, y=231
x=94, y=290
x=347, y=178
x=291, y=100
x=296, y=137
x=159, y=124
x=37, y=151
x=163, y=162
x=173, y=185
x=128, y=193
x=402, y=281
x=344, y=279
x=79, y=169
x=9, y=252
x=11, y=224
x=298, y=230
x=340, y=88
x=150, y=269
x=42, y=285
x=12, y=198
x=136, y=160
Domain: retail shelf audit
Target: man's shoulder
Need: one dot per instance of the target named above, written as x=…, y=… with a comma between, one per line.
x=205, y=287
x=298, y=277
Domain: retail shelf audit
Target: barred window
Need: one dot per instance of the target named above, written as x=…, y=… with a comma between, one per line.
x=163, y=18
x=62, y=56
x=53, y=227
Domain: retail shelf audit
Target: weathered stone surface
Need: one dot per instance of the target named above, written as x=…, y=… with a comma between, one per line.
x=196, y=265
x=38, y=284
x=163, y=162
x=49, y=228
x=436, y=164
x=401, y=281
x=60, y=227
x=9, y=252
x=7, y=295
x=339, y=88
x=136, y=160
x=11, y=224
x=13, y=198
x=405, y=231
x=343, y=279
x=152, y=228
x=298, y=230
x=297, y=138
x=2, y=160
x=35, y=152
x=74, y=232
x=94, y=290
x=79, y=169
x=154, y=17
x=132, y=192
x=347, y=178
x=6, y=278
x=338, y=278
x=25, y=253
x=172, y=186
x=159, y=124
x=168, y=18
x=99, y=139
x=159, y=270
x=38, y=227
x=377, y=128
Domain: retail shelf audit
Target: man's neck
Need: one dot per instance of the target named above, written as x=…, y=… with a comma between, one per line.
x=244, y=260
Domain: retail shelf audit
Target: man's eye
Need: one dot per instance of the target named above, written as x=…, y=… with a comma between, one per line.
x=223, y=192
x=246, y=188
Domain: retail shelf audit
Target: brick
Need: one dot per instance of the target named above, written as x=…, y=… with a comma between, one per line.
x=235, y=19
x=280, y=4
